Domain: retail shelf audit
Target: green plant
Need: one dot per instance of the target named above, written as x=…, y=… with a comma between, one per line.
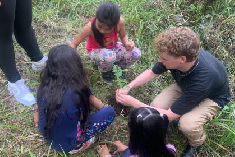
x=119, y=73
x=55, y=21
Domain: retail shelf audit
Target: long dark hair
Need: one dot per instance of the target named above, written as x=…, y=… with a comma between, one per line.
x=108, y=13
x=148, y=133
x=63, y=71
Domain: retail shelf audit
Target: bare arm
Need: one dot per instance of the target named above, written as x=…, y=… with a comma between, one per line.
x=171, y=115
x=122, y=31
x=128, y=100
x=36, y=114
x=143, y=78
x=94, y=101
x=85, y=32
x=129, y=45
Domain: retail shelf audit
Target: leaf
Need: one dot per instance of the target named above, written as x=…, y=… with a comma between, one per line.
x=10, y=126
x=31, y=154
x=22, y=149
x=221, y=146
x=225, y=108
x=233, y=105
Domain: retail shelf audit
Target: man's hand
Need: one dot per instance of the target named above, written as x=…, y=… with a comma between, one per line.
x=171, y=115
x=125, y=90
x=124, y=99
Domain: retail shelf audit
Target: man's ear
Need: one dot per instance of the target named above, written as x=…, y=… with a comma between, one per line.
x=183, y=59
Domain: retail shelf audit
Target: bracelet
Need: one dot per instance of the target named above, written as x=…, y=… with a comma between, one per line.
x=108, y=155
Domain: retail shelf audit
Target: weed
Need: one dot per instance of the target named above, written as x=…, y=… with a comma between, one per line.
x=57, y=20
x=120, y=76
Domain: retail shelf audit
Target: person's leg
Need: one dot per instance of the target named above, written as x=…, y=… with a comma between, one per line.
x=82, y=143
x=103, y=58
x=168, y=95
x=99, y=121
x=23, y=30
x=7, y=55
x=16, y=85
x=126, y=58
x=192, y=123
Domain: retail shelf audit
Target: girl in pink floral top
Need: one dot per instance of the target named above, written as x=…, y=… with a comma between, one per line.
x=102, y=33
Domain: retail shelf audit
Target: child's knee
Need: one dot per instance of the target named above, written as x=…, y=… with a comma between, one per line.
x=109, y=114
x=187, y=125
x=102, y=56
x=136, y=53
x=109, y=111
x=108, y=56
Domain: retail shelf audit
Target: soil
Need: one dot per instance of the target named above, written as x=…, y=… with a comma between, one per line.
x=118, y=107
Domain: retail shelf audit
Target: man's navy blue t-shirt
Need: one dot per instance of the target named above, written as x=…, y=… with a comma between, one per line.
x=206, y=79
x=63, y=133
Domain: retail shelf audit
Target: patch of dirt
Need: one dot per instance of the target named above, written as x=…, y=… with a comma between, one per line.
x=118, y=107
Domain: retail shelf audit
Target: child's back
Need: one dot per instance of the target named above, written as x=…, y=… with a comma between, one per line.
x=64, y=99
x=63, y=130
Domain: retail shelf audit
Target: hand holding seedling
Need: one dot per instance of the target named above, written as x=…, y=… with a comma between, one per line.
x=125, y=90
x=128, y=100
x=124, y=99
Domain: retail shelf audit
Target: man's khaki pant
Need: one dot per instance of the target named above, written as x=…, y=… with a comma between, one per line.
x=191, y=123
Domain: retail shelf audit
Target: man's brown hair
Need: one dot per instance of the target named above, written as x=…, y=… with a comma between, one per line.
x=179, y=41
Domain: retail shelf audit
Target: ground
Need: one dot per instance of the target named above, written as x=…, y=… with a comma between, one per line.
x=57, y=22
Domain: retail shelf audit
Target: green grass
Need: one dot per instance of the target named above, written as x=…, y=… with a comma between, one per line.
x=57, y=21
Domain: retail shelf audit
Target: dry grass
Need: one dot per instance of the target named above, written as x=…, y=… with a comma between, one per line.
x=58, y=21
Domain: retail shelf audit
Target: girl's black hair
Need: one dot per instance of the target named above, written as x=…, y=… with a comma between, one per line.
x=108, y=13
x=148, y=133
x=63, y=71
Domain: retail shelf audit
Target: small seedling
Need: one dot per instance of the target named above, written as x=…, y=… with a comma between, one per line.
x=119, y=73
